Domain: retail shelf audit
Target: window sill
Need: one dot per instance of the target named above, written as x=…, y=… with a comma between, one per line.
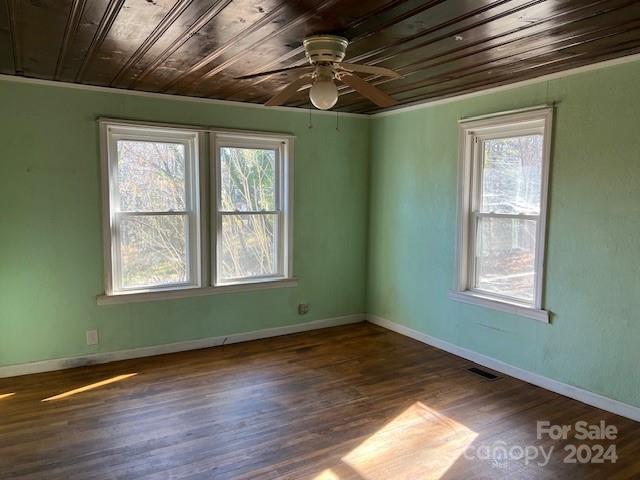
x=194, y=292
x=500, y=305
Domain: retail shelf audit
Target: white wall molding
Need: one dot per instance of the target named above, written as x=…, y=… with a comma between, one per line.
x=584, y=396
x=419, y=105
x=166, y=96
x=106, y=357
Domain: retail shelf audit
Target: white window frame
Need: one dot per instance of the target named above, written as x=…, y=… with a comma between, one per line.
x=112, y=134
x=202, y=191
x=283, y=172
x=472, y=134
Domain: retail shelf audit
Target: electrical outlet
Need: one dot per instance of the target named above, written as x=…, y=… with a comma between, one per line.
x=303, y=308
x=92, y=337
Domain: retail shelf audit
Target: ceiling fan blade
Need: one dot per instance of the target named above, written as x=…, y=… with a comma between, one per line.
x=287, y=92
x=308, y=68
x=357, y=67
x=367, y=90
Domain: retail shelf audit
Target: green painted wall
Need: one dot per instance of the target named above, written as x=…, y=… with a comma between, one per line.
x=593, y=257
x=50, y=233
x=391, y=180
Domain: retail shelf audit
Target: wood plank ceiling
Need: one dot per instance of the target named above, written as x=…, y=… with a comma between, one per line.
x=197, y=47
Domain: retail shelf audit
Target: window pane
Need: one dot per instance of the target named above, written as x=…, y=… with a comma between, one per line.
x=248, y=246
x=247, y=178
x=153, y=250
x=505, y=260
x=151, y=176
x=512, y=175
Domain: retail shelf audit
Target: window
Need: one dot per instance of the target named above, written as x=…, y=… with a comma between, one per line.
x=502, y=212
x=251, y=214
x=154, y=209
x=171, y=204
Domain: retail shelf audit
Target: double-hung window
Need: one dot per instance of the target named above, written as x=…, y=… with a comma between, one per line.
x=251, y=206
x=504, y=163
x=154, y=209
x=190, y=210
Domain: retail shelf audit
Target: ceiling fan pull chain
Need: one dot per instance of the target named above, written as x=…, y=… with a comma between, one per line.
x=310, y=124
x=337, y=121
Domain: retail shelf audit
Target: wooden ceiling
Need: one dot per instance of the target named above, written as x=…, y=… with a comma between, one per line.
x=197, y=47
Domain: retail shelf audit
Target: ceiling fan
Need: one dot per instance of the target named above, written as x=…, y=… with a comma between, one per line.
x=325, y=54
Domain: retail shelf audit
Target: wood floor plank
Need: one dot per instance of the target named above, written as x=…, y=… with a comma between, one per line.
x=354, y=402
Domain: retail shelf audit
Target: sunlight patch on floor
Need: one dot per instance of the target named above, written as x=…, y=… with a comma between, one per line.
x=6, y=395
x=327, y=474
x=90, y=387
x=418, y=443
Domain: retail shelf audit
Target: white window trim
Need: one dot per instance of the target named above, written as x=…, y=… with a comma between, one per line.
x=203, y=236
x=517, y=122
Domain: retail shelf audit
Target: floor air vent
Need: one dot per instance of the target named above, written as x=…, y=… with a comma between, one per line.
x=483, y=373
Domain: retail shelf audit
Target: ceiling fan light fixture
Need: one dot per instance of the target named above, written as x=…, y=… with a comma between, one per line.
x=323, y=94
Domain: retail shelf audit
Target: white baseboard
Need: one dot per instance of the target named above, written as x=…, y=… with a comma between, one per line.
x=584, y=396
x=96, y=358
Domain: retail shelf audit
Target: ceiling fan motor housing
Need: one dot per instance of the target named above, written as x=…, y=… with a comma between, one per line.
x=325, y=48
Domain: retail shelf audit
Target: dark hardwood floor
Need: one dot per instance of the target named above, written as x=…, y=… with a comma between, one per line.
x=353, y=402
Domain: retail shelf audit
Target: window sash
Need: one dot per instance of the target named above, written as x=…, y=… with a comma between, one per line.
x=252, y=145
x=473, y=254
x=152, y=287
x=279, y=249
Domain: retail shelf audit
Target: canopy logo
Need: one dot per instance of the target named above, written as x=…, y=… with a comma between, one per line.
x=499, y=453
